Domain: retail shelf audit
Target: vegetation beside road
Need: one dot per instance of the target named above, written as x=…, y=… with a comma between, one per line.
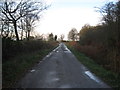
x=19, y=57
x=108, y=76
x=21, y=49
x=101, y=43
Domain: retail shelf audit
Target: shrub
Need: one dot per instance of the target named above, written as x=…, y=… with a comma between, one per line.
x=108, y=58
x=12, y=48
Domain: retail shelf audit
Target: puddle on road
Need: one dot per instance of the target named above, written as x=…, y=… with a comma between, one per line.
x=92, y=76
x=49, y=55
x=67, y=50
x=51, y=77
x=54, y=50
x=32, y=70
x=54, y=79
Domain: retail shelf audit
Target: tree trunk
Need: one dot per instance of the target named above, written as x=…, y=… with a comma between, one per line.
x=16, y=33
x=28, y=38
x=2, y=30
x=22, y=34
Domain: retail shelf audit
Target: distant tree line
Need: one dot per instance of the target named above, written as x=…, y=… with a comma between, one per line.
x=51, y=37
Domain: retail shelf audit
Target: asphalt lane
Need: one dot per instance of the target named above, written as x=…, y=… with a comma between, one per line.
x=60, y=69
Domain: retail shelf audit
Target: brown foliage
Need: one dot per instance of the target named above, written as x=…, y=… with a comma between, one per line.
x=109, y=59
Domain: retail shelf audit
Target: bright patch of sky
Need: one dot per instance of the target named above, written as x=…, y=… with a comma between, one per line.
x=63, y=15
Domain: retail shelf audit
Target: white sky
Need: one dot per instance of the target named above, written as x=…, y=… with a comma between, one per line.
x=63, y=15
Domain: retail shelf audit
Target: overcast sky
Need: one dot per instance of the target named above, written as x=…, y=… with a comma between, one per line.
x=63, y=15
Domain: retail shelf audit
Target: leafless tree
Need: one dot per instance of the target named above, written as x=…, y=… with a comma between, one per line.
x=62, y=37
x=73, y=34
x=13, y=11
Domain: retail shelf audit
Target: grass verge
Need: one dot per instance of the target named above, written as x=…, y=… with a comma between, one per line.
x=109, y=77
x=14, y=69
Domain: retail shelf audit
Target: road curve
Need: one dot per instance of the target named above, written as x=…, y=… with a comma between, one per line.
x=60, y=69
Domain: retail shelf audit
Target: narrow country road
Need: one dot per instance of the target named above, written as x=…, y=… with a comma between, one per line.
x=60, y=69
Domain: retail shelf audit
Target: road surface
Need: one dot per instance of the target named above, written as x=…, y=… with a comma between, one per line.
x=60, y=69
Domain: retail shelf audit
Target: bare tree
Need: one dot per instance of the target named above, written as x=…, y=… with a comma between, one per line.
x=14, y=11
x=73, y=34
x=51, y=37
x=6, y=29
x=108, y=12
x=62, y=37
x=30, y=23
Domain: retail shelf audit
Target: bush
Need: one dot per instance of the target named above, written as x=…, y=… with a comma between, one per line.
x=12, y=48
x=106, y=57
